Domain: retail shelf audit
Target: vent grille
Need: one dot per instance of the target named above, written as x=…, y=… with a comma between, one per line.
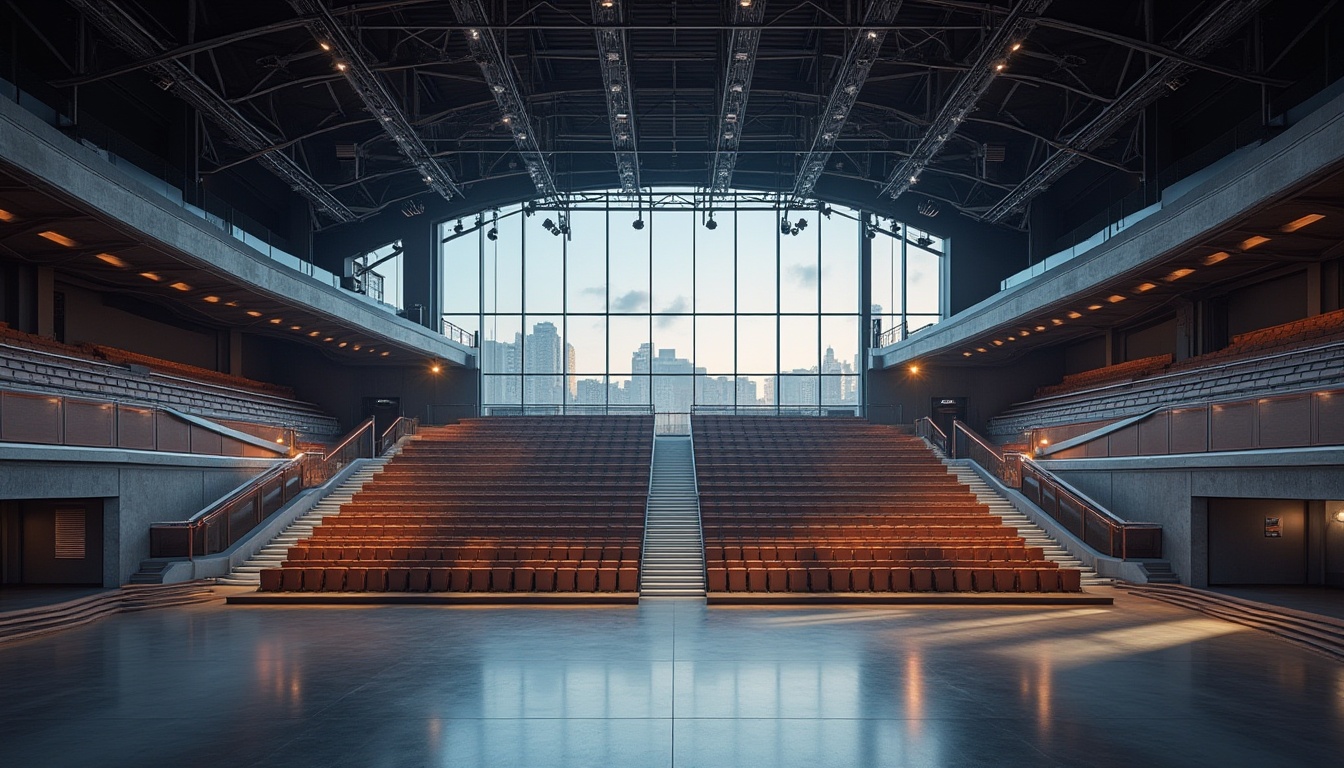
x=69, y=534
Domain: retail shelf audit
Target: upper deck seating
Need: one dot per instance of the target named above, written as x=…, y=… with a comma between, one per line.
x=544, y=504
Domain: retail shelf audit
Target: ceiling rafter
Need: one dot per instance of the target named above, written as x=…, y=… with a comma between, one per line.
x=614, y=58
x=849, y=81
x=128, y=34
x=742, y=45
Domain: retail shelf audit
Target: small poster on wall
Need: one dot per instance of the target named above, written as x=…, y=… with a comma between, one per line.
x=1273, y=530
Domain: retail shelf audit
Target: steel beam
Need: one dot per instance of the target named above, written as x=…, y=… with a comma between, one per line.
x=742, y=45
x=614, y=58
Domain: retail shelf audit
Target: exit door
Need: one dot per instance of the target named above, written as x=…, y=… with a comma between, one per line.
x=384, y=411
x=947, y=409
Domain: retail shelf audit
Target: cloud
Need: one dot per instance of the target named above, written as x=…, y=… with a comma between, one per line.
x=678, y=305
x=634, y=301
x=804, y=275
x=595, y=290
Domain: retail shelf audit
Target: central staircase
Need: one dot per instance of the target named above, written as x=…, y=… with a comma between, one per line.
x=673, y=563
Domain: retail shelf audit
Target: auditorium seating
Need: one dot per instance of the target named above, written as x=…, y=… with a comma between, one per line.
x=1302, y=355
x=46, y=365
x=551, y=504
x=836, y=505
x=1110, y=374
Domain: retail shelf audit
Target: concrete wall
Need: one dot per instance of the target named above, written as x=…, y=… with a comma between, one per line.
x=1240, y=552
x=138, y=488
x=88, y=318
x=1175, y=491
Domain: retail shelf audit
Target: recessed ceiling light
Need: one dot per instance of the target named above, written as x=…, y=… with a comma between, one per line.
x=1145, y=287
x=151, y=276
x=997, y=343
x=1024, y=332
x=981, y=349
x=385, y=354
x=108, y=258
x=211, y=299
x=230, y=303
x=1253, y=241
x=1075, y=315
x=963, y=354
x=1214, y=258
x=253, y=313
x=327, y=339
x=342, y=344
x=1178, y=274
x=1116, y=298
x=6, y=216
x=296, y=327
x=181, y=286
x=1056, y=321
x=355, y=347
x=1292, y=226
x=1093, y=307
x=314, y=333
x=1012, y=338
x=1040, y=328
x=57, y=238
x=276, y=321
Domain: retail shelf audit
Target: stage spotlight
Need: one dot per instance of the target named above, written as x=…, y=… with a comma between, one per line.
x=638, y=223
x=924, y=241
x=457, y=228
x=710, y=223
x=870, y=232
x=493, y=234
x=785, y=227
x=824, y=210
x=548, y=225
x=801, y=224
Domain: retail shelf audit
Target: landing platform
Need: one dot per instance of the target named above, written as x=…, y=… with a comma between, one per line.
x=908, y=598
x=433, y=598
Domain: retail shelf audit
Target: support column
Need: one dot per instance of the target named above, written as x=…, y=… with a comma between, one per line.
x=45, y=283
x=422, y=273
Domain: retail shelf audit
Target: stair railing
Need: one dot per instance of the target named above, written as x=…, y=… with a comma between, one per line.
x=1097, y=526
x=402, y=427
x=927, y=429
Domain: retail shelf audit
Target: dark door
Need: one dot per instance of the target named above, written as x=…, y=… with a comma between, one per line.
x=947, y=409
x=1257, y=541
x=52, y=542
x=384, y=411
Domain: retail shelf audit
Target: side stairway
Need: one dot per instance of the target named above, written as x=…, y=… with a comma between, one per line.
x=673, y=559
x=273, y=554
x=1031, y=533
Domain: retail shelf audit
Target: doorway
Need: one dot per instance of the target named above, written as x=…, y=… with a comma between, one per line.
x=1257, y=541
x=384, y=411
x=51, y=542
x=945, y=410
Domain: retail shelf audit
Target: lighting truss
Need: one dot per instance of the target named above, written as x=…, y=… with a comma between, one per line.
x=844, y=93
x=965, y=94
x=127, y=34
x=742, y=44
x=499, y=76
x=349, y=61
x=615, y=60
x=1211, y=31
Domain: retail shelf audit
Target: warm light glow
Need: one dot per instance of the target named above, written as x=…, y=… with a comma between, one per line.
x=373, y=349
x=181, y=286
x=1116, y=298
x=325, y=45
x=280, y=440
x=296, y=327
x=1339, y=516
x=230, y=303
x=6, y=216
x=314, y=333
x=253, y=313
x=385, y=354
x=981, y=349
x=1012, y=338
x=327, y=339
x=276, y=321
x=1145, y=287
x=57, y=238
x=1292, y=226
x=1253, y=241
x=341, y=66
x=108, y=258
x=965, y=354
x=1040, y=328
x=151, y=276
x=1214, y=258
x=1075, y=315
x=355, y=347
x=1178, y=274
x=434, y=368
x=1093, y=307
x=914, y=369
x=1016, y=47
x=997, y=343
x=1000, y=67
x=1044, y=441
x=1024, y=332
x=211, y=299
x=1056, y=321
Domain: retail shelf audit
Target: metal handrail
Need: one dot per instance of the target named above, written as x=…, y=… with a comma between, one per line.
x=967, y=444
x=927, y=429
x=400, y=428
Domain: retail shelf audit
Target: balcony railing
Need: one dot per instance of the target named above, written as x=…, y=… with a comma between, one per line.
x=1089, y=521
x=461, y=336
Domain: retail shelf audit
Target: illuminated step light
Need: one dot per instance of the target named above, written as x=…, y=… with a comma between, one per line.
x=1253, y=241
x=6, y=216
x=1178, y=274
x=181, y=286
x=1116, y=298
x=1292, y=226
x=151, y=276
x=1075, y=315
x=253, y=313
x=108, y=258
x=373, y=349
x=1214, y=258
x=211, y=299
x=1145, y=287
x=57, y=238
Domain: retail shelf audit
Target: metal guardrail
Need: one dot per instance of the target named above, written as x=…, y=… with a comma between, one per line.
x=1097, y=526
x=460, y=335
x=228, y=519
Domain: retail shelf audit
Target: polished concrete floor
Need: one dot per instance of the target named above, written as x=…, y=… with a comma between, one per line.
x=671, y=683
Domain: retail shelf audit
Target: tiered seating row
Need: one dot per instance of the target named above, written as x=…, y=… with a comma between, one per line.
x=542, y=505
x=45, y=365
x=1110, y=374
x=818, y=505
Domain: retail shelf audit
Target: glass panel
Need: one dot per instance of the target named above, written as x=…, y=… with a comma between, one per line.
x=544, y=268
x=839, y=265
x=672, y=394
x=798, y=270
x=629, y=265
x=544, y=390
x=714, y=268
x=756, y=234
x=586, y=262
x=504, y=268
x=629, y=393
x=673, y=265
x=587, y=335
x=762, y=388
x=915, y=322
x=715, y=390
x=714, y=345
x=543, y=348
x=501, y=390
x=799, y=389
x=588, y=395
x=839, y=390
x=461, y=272
x=798, y=344
x=922, y=278
x=756, y=345
x=629, y=339
x=672, y=334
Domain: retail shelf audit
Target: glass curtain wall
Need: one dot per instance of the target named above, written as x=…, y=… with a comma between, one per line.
x=907, y=279
x=669, y=317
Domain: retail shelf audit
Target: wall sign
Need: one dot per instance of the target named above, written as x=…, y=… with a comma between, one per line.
x=1273, y=530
